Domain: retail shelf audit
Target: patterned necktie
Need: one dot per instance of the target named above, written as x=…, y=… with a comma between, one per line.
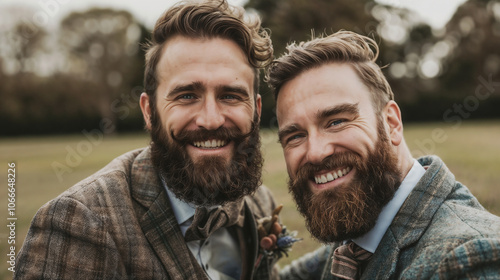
x=209, y=219
x=347, y=259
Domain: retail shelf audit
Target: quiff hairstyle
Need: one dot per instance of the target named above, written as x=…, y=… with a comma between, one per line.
x=341, y=47
x=206, y=20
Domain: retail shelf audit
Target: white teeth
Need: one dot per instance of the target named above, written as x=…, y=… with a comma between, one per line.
x=323, y=179
x=210, y=144
x=328, y=177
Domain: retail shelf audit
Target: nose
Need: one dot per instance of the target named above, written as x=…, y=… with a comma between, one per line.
x=210, y=116
x=319, y=147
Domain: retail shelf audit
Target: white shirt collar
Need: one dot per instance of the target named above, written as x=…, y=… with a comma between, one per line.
x=183, y=211
x=371, y=239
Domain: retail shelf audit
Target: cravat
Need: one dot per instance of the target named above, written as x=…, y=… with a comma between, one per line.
x=347, y=259
x=206, y=220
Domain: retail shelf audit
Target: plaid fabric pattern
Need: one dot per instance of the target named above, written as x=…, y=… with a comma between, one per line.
x=347, y=259
x=440, y=232
x=118, y=224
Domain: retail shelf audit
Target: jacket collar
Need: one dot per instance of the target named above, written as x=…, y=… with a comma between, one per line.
x=413, y=218
x=158, y=221
x=161, y=228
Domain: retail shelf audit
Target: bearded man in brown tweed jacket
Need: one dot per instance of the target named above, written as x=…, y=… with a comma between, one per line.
x=185, y=207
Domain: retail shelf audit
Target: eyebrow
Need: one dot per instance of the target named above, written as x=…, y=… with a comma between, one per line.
x=289, y=129
x=194, y=86
x=236, y=89
x=198, y=86
x=348, y=108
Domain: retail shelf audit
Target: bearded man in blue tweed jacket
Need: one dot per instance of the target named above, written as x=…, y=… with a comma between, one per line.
x=383, y=214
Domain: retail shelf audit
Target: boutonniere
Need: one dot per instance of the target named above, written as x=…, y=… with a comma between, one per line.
x=274, y=238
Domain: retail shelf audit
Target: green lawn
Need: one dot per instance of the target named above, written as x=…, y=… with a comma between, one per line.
x=471, y=151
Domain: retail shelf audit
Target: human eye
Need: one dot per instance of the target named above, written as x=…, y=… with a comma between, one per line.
x=336, y=123
x=230, y=97
x=292, y=139
x=186, y=96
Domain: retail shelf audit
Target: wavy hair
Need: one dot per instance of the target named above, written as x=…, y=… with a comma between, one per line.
x=208, y=19
x=340, y=47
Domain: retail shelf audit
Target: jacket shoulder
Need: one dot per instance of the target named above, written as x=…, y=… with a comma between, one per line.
x=462, y=239
x=115, y=175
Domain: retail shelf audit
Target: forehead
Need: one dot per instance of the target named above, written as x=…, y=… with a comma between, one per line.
x=182, y=51
x=185, y=60
x=324, y=86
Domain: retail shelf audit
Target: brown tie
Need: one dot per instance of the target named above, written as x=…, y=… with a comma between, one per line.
x=347, y=259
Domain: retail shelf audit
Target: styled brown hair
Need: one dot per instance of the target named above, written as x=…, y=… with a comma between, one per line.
x=341, y=47
x=207, y=19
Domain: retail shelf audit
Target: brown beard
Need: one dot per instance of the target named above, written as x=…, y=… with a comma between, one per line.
x=211, y=180
x=350, y=210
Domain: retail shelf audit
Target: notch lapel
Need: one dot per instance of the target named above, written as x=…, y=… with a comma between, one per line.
x=413, y=218
x=158, y=221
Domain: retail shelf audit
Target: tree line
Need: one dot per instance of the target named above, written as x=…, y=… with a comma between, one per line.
x=87, y=72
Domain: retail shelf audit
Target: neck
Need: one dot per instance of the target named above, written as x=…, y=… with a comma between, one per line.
x=405, y=159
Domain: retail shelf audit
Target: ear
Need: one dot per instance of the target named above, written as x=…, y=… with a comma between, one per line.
x=258, y=105
x=146, y=110
x=392, y=115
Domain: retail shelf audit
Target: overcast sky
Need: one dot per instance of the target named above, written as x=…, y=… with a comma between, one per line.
x=435, y=12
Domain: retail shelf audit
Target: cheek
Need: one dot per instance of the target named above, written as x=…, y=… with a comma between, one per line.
x=359, y=142
x=291, y=164
x=175, y=120
x=242, y=118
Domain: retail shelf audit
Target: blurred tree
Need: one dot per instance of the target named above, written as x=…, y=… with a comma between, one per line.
x=90, y=78
x=103, y=49
x=474, y=35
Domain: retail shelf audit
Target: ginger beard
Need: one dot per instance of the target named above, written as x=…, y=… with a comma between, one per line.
x=350, y=210
x=211, y=180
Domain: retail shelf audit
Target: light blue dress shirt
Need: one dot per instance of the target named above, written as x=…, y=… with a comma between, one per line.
x=371, y=239
x=219, y=254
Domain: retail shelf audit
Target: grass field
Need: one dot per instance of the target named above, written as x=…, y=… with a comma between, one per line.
x=471, y=151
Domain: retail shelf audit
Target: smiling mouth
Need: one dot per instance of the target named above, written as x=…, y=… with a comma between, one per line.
x=210, y=144
x=332, y=175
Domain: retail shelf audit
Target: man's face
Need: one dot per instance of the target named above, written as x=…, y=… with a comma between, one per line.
x=341, y=164
x=205, y=130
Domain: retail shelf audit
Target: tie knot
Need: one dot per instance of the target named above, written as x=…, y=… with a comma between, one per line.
x=347, y=260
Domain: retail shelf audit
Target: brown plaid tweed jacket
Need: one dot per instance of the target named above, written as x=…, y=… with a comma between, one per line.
x=118, y=224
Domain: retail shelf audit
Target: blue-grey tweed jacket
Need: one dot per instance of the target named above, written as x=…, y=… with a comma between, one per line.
x=440, y=232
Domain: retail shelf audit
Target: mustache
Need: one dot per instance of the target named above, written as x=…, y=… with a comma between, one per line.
x=331, y=162
x=222, y=133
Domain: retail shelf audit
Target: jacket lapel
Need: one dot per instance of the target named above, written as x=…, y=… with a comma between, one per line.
x=413, y=218
x=158, y=221
x=410, y=223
